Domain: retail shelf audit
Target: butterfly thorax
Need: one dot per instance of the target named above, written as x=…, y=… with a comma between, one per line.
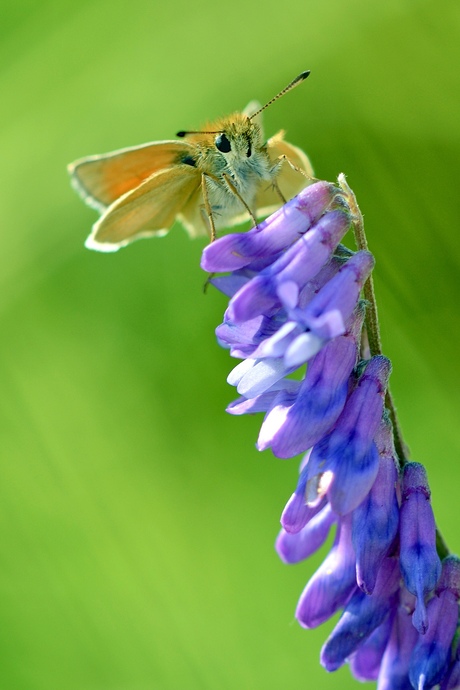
x=233, y=155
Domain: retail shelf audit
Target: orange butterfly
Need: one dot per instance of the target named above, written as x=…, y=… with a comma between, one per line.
x=207, y=180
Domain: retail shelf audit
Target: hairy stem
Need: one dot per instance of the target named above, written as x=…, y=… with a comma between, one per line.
x=372, y=321
x=373, y=335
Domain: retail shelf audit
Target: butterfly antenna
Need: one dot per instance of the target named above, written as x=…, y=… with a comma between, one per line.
x=295, y=82
x=184, y=133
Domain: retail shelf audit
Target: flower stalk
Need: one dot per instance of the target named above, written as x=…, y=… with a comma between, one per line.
x=374, y=340
x=372, y=320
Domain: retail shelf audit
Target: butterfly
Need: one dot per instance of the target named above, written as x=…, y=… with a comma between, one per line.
x=207, y=179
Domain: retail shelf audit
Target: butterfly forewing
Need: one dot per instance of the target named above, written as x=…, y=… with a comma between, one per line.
x=101, y=180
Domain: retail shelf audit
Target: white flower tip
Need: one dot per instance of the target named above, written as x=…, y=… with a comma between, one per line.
x=317, y=487
x=303, y=348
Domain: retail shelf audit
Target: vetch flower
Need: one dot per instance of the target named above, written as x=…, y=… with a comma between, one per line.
x=420, y=563
x=394, y=669
x=328, y=312
x=253, y=377
x=366, y=661
x=297, y=512
x=333, y=583
x=296, y=266
x=376, y=519
x=362, y=615
x=293, y=548
x=431, y=656
x=349, y=452
x=300, y=325
x=297, y=420
x=268, y=336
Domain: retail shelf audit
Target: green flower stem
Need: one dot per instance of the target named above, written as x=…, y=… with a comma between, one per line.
x=373, y=335
x=372, y=321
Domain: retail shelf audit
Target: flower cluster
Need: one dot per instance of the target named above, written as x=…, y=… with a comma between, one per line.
x=295, y=300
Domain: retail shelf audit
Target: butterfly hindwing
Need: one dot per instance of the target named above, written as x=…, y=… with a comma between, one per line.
x=290, y=181
x=148, y=210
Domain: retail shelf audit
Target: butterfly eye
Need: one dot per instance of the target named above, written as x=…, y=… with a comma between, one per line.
x=222, y=143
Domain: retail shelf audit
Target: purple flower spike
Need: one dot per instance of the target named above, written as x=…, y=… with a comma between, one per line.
x=293, y=548
x=299, y=264
x=349, y=453
x=328, y=312
x=394, y=671
x=362, y=615
x=331, y=586
x=420, y=563
x=294, y=299
x=272, y=235
x=376, y=519
x=296, y=422
x=365, y=663
x=430, y=657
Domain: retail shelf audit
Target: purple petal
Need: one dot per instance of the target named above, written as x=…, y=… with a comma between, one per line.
x=353, y=478
x=362, y=615
x=394, y=671
x=420, y=563
x=450, y=576
x=293, y=548
x=348, y=452
x=376, y=519
x=272, y=235
x=288, y=293
x=297, y=513
x=451, y=680
x=431, y=656
x=299, y=264
x=230, y=284
x=328, y=312
x=365, y=663
x=333, y=583
x=249, y=333
x=311, y=289
x=295, y=424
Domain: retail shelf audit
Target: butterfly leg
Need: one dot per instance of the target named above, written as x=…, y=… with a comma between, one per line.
x=207, y=207
x=278, y=191
x=284, y=159
x=234, y=191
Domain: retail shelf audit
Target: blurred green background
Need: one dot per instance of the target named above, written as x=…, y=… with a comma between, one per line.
x=137, y=518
